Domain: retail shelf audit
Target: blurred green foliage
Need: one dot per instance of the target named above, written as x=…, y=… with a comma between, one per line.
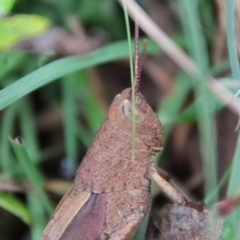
x=5, y=6
x=15, y=28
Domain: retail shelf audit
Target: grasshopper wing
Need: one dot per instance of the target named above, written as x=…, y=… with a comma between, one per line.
x=79, y=216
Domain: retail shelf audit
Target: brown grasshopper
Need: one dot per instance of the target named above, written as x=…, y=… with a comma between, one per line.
x=111, y=192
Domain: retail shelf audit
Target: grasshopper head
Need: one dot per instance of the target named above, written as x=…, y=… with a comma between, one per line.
x=148, y=126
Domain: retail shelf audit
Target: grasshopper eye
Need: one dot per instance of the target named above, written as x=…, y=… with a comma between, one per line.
x=127, y=111
x=117, y=96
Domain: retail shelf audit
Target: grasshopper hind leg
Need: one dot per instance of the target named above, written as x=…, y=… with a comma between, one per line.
x=127, y=232
x=125, y=211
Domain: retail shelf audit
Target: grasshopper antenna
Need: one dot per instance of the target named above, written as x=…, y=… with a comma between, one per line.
x=138, y=62
x=141, y=61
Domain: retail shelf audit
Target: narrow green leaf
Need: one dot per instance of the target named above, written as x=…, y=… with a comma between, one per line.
x=92, y=110
x=133, y=77
x=232, y=222
x=220, y=68
x=62, y=67
x=14, y=206
x=171, y=105
x=83, y=135
x=221, y=183
x=8, y=61
x=70, y=120
x=231, y=39
x=38, y=215
x=28, y=129
x=189, y=114
x=31, y=171
x=141, y=232
x=6, y=130
x=198, y=50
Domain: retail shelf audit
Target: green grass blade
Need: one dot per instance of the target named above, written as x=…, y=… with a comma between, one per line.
x=231, y=39
x=209, y=22
x=92, y=110
x=132, y=81
x=198, y=50
x=129, y=44
x=28, y=129
x=70, y=121
x=31, y=172
x=172, y=103
x=231, y=223
x=141, y=232
x=9, y=61
x=6, y=129
x=88, y=106
x=220, y=68
x=221, y=183
x=62, y=67
x=84, y=136
x=14, y=206
x=189, y=114
x=39, y=218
